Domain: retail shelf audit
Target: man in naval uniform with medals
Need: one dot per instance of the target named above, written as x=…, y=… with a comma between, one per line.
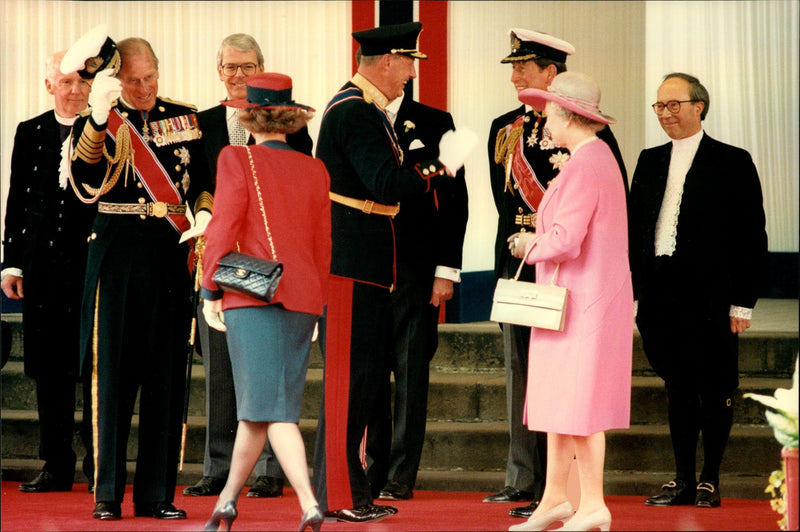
x=136, y=304
x=522, y=162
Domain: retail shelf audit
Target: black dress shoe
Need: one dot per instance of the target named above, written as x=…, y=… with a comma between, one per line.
x=91, y=485
x=46, y=481
x=265, y=486
x=205, y=486
x=394, y=491
x=707, y=495
x=159, y=510
x=509, y=494
x=368, y=512
x=107, y=511
x=524, y=511
x=673, y=493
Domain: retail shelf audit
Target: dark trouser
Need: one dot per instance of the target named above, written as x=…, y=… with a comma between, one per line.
x=526, y=467
x=221, y=420
x=394, y=447
x=142, y=326
x=687, y=340
x=55, y=398
x=354, y=335
x=693, y=411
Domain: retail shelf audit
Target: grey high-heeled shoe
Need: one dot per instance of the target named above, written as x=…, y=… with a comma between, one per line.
x=312, y=519
x=226, y=513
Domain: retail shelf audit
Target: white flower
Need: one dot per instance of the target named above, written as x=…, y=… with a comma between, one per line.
x=784, y=419
x=409, y=125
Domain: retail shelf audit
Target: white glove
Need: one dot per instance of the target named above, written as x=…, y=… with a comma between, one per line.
x=198, y=225
x=212, y=312
x=455, y=147
x=105, y=89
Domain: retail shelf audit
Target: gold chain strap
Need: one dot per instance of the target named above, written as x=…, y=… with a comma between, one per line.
x=261, y=203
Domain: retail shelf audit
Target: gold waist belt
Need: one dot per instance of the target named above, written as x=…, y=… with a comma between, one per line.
x=159, y=209
x=525, y=220
x=366, y=206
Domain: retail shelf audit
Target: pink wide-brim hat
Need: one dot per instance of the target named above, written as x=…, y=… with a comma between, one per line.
x=573, y=91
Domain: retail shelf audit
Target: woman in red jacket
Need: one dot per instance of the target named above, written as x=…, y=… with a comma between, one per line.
x=269, y=343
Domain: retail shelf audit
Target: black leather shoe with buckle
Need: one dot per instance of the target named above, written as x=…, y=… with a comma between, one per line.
x=509, y=494
x=46, y=481
x=265, y=486
x=524, y=511
x=159, y=510
x=707, y=495
x=367, y=512
x=107, y=511
x=205, y=486
x=673, y=493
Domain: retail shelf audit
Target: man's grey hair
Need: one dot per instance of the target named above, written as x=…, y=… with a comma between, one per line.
x=52, y=65
x=135, y=46
x=696, y=90
x=242, y=42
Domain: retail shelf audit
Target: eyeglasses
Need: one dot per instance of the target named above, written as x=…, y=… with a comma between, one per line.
x=673, y=106
x=248, y=69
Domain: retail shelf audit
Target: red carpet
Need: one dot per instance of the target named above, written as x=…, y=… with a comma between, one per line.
x=428, y=510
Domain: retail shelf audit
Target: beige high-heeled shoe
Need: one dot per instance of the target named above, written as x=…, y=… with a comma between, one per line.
x=541, y=520
x=598, y=519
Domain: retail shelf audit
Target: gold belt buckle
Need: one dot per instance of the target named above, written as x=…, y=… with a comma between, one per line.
x=157, y=209
x=525, y=220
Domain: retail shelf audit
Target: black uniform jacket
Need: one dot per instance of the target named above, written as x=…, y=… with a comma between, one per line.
x=214, y=125
x=46, y=232
x=184, y=161
x=508, y=201
x=357, y=148
x=430, y=228
x=721, y=246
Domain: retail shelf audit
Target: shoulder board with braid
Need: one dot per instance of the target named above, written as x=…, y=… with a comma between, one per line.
x=182, y=104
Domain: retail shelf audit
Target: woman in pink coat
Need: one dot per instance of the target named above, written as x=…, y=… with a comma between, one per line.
x=580, y=379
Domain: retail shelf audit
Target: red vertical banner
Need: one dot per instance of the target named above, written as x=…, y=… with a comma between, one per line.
x=433, y=42
x=363, y=18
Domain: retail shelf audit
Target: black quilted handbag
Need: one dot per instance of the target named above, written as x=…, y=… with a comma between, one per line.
x=248, y=275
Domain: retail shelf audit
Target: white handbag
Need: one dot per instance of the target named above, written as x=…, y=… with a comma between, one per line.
x=530, y=304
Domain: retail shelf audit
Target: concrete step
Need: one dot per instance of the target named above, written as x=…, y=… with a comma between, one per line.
x=478, y=446
x=467, y=438
x=460, y=396
x=768, y=349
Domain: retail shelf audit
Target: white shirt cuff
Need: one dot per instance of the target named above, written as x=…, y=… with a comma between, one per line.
x=741, y=312
x=10, y=271
x=445, y=272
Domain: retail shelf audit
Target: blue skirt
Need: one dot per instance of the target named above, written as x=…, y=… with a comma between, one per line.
x=269, y=348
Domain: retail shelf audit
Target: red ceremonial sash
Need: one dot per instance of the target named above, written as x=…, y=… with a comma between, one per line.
x=152, y=174
x=529, y=187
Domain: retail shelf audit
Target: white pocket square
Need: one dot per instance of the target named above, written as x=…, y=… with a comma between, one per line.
x=416, y=144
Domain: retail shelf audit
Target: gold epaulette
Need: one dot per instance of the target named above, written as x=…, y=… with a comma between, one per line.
x=85, y=112
x=182, y=104
x=90, y=145
x=204, y=201
x=504, y=144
